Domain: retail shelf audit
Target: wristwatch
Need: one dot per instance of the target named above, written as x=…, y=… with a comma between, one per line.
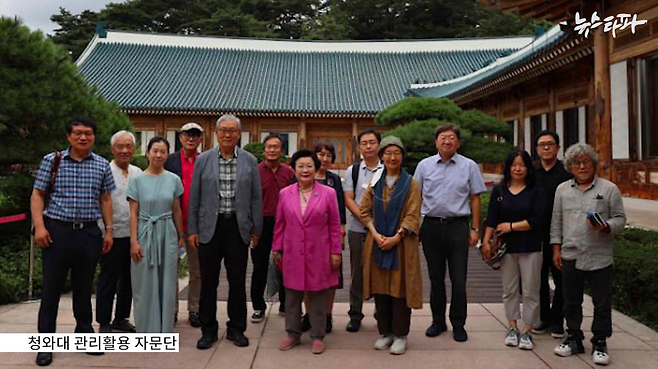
x=109, y=227
x=476, y=229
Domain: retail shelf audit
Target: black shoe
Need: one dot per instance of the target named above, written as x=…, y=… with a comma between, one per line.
x=206, y=341
x=105, y=328
x=557, y=331
x=237, y=337
x=436, y=329
x=194, y=319
x=542, y=328
x=123, y=325
x=353, y=325
x=96, y=353
x=44, y=358
x=306, y=323
x=459, y=334
x=258, y=316
x=330, y=325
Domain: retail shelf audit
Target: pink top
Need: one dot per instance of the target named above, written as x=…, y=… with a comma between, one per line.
x=308, y=241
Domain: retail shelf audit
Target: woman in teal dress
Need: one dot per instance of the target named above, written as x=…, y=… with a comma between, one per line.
x=155, y=236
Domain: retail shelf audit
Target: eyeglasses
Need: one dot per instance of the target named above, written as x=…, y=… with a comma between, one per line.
x=546, y=145
x=224, y=131
x=447, y=138
x=578, y=163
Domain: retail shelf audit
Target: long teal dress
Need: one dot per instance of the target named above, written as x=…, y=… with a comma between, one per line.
x=154, y=276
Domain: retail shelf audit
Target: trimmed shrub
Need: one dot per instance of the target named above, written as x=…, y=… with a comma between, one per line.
x=418, y=108
x=635, y=282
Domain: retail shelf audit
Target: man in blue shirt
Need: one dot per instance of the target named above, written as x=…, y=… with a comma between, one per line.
x=66, y=227
x=448, y=182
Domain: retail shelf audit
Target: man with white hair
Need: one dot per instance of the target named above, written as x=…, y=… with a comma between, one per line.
x=225, y=213
x=587, y=213
x=115, y=265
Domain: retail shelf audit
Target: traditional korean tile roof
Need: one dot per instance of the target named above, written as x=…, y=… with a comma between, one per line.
x=551, y=45
x=151, y=73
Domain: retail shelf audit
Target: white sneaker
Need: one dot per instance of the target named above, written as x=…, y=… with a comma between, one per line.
x=568, y=347
x=525, y=341
x=600, y=354
x=512, y=338
x=399, y=346
x=384, y=342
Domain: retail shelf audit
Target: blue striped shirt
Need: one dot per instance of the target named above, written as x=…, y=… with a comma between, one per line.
x=78, y=186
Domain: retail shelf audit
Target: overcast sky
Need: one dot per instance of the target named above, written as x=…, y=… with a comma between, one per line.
x=36, y=13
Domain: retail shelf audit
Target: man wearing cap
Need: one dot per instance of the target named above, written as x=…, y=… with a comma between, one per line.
x=448, y=182
x=181, y=163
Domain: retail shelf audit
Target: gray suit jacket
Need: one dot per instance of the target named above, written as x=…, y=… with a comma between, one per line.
x=204, y=196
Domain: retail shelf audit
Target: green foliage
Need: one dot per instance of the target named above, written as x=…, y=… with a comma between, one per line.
x=635, y=284
x=484, y=150
x=295, y=19
x=480, y=123
x=426, y=114
x=418, y=108
x=40, y=90
x=14, y=270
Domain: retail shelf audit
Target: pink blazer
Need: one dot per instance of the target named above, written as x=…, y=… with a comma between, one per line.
x=307, y=242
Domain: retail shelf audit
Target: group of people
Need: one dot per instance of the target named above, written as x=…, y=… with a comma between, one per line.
x=543, y=213
x=221, y=205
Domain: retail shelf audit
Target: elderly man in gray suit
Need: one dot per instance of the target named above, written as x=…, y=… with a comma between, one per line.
x=225, y=212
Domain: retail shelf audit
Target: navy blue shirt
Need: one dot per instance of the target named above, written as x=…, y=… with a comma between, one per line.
x=505, y=207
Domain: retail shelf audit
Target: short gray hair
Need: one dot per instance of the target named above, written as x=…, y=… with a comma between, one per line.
x=228, y=117
x=579, y=149
x=116, y=136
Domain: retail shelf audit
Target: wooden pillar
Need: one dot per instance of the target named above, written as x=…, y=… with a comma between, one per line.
x=552, y=103
x=602, y=109
x=521, y=138
x=355, y=145
x=302, y=134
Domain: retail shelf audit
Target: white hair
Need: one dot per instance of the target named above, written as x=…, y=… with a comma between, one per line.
x=228, y=117
x=579, y=149
x=116, y=136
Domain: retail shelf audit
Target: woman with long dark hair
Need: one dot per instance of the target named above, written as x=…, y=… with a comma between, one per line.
x=515, y=213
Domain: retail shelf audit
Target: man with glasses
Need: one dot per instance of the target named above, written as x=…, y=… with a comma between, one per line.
x=357, y=179
x=449, y=183
x=550, y=173
x=583, y=248
x=225, y=212
x=71, y=193
x=181, y=163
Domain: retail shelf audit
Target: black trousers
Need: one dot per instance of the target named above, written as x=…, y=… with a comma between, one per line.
x=114, y=278
x=600, y=284
x=75, y=250
x=446, y=243
x=226, y=245
x=393, y=315
x=550, y=313
x=260, y=256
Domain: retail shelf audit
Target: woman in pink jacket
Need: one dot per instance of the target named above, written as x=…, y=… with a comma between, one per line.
x=307, y=243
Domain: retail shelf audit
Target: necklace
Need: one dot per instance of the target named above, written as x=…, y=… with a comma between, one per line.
x=302, y=192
